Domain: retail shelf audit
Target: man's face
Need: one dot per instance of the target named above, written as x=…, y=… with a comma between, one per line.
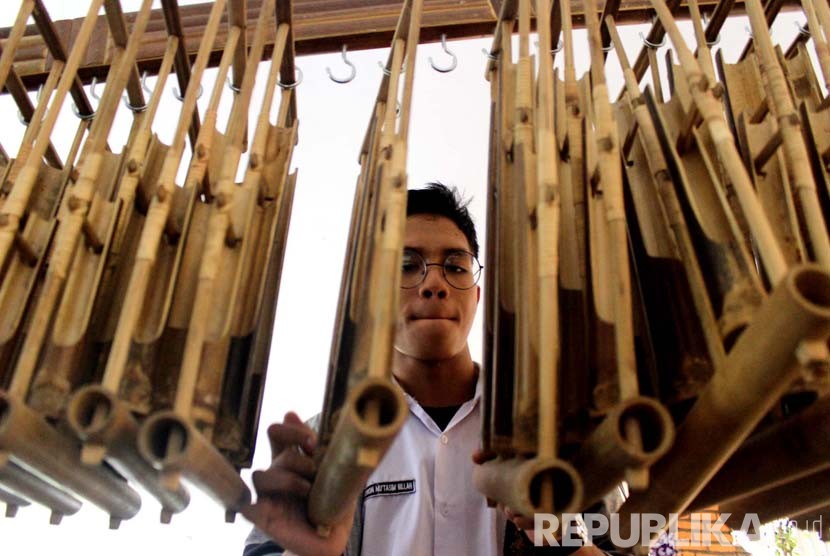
x=434, y=318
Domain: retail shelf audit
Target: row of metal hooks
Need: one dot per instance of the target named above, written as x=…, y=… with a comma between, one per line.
x=352, y=71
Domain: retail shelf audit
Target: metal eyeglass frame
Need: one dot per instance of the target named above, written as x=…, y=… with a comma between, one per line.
x=425, y=270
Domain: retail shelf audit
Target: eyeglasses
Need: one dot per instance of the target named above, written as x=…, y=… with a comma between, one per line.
x=461, y=269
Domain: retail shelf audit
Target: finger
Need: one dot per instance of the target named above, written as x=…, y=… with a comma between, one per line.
x=481, y=456
x=282, y=436
x=292, y=460
x=525, y=523
x=279, y=482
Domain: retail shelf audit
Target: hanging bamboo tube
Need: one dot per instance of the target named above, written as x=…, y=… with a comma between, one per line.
x=638, y=430
x=795, y=152
x=33, y=488
x=32, y=441
x=740, y=393
x=710, y=111
x=819, y=33
x=168, y=440
x=534, y=479
x=374, y=409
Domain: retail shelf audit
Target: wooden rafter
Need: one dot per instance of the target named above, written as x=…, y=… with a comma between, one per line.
x=321, y=26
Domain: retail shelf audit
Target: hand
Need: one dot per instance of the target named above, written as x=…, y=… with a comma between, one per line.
x=282, y=494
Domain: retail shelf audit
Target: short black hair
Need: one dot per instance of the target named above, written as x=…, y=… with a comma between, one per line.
x=438, y=199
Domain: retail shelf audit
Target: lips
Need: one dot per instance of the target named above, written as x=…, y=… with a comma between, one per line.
x=432, y=317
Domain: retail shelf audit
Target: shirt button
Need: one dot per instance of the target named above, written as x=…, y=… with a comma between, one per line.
x=444, y=439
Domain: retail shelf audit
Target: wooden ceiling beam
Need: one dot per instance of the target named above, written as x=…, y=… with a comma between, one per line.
x=321, y=26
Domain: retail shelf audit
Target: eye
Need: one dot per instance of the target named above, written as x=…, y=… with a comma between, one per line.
x=409, y=267
x=455, y=269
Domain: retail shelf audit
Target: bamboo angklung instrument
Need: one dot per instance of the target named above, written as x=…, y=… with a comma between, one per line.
x=528, y=475
x=363, y=410
x=120, y=227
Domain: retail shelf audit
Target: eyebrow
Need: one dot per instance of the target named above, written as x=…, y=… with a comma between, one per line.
x=445, y=251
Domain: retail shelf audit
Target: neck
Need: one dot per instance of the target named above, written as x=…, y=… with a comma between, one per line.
x=438, y=383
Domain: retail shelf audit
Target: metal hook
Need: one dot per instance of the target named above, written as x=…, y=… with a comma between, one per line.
x=802, y=30
x=748, y=31
x=705, y=25
x=233, y=88
x=145, y=88
x=94, y=95
x=297, y=80
x=652, y=45
x=178, y=94
x=608, y=48
x=386, y=71
x=352, y=70
x=489, y=55
x=37, y=97
x=556, y=50
x=453, y=64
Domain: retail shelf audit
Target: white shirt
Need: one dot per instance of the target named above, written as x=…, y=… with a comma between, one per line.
x=420, y=501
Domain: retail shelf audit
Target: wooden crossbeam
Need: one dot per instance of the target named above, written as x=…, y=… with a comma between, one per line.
x=320, y=27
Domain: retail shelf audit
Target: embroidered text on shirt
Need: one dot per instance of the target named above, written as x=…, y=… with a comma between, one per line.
x=389, y=488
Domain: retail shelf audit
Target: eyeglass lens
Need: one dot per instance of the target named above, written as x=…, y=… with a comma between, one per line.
x=461, y=269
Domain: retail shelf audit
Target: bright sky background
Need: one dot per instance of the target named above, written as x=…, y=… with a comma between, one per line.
x=448, y=142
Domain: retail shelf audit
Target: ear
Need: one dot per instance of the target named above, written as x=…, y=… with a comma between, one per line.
x=478, y=294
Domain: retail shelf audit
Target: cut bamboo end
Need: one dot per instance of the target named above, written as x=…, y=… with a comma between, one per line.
x=370, y=419
x=170, y=444
x=27, y=436
x=520, y=483
x=106, y=425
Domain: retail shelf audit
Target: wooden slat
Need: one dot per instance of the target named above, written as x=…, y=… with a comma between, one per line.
x=320, y=26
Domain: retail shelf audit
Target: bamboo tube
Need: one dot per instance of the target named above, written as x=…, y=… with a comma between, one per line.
x=803, y=495
x=704, y=55
x=502, y=408
x=517, y=483
x=740, y=393
x=670, y=203
x=218, y=226
x=784, y=452
x=358, y=444
x=819, y=34
x=26, y=484
x=173, y=446
x=33, y=442
x=795, y=152
x=525, y=256
x=374, y=410
x=710, y=110
x=161, y=205
x=78, y=204
x=208, y=388
x=108, y=429
x=605, y=457
x=15, y=204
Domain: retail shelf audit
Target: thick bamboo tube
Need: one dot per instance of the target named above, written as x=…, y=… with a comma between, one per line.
x=711, y=112
x=740, y=393
x=173, y=446
x=781, y=453
x=605, y=457
x=803, y=495
x=32, y=441
x=108, y=429
x=24, y=483
x=795, y=151
x=374, y=412
x=517, y=483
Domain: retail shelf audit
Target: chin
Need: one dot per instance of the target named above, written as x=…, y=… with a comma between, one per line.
x=431, y=349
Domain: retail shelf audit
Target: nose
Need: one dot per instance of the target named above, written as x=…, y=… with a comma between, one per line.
x=434, y=284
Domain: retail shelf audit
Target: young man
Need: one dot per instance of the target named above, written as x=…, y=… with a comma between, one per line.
x=428, y=505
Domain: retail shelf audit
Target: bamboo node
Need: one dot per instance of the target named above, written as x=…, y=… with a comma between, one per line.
x=132, y=166
x=201, y=151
